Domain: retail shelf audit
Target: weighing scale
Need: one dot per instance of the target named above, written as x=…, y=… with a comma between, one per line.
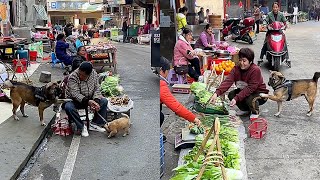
x=185, y=139
x=181, y=88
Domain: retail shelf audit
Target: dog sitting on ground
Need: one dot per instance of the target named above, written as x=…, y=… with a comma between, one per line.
x=41, y=97
x=117, y=125
x=286, y=90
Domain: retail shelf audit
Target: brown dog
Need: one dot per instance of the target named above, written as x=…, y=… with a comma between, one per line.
x=286, y=90
x=41, y=97
x=121, y=124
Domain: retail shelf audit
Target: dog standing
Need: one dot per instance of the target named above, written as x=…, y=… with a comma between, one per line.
x=286, y=90
x=41, y=97
x=117, y=125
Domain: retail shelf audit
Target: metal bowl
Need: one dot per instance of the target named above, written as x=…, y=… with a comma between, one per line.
x=222, y=53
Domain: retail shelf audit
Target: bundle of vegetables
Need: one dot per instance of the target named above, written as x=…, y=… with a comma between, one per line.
x=191, y=170
x=196, y=87
x=110, y=86
x=218, y=108
x=226, y=120
x=195, y=129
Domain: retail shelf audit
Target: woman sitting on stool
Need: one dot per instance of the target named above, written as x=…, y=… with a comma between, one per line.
x=206, y=39
x=185, y=59
x=61, y=50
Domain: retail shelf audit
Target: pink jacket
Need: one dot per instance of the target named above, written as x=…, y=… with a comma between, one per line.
x=180, y=55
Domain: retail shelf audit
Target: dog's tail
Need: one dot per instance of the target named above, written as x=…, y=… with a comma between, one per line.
x=8, y=84
x=316, y=76
x=125, y=115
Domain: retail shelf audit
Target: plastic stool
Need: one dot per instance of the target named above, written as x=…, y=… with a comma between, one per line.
x=174, y=78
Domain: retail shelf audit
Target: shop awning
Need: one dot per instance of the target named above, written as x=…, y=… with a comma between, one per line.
x=41, y=12
x=106, y=18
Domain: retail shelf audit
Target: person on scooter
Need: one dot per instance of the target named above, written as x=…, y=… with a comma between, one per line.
x=206, y=39
x=273, y=16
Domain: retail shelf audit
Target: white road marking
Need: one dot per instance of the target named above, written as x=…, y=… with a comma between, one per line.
x=71, y=158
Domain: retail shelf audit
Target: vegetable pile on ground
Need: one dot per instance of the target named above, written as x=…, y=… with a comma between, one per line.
x=230, y=149
x=110, y=86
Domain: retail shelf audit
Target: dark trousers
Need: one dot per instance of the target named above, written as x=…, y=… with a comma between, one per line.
x=194, y=68
x=257, y=23
x=73, y=115
x=250, y=103
x=125, y=35
x=161, y=118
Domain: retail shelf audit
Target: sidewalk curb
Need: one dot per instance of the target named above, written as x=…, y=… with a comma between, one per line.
x=33, y=149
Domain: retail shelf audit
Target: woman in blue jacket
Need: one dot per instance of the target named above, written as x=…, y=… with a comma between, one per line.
x=61, y=50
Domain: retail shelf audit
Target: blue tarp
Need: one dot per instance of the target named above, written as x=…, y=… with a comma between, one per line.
x=106, y=19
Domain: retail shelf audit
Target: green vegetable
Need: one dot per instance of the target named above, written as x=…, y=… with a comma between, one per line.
x=109, y=87
x=197, y=130
x=196, y=87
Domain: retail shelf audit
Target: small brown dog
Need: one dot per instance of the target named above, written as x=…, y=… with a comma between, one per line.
x=117, y=125
x=286, y=90
x=41, y=97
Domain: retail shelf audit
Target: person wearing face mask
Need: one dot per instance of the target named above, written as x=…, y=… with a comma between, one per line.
x=206, y=39
x=168, y=99
x=249, y=81
x=185, y=59
x=273, y=16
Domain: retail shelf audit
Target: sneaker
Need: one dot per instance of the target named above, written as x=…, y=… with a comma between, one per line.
x=97, y=128
x=84, y=132
x=242, y=113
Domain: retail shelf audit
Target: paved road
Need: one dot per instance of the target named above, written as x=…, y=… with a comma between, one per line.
x=133, y=157
x=290, y=150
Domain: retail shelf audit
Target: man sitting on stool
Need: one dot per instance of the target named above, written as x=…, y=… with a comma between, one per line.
x=84, y=89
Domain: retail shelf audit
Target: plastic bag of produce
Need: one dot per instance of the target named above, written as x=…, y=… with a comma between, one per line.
x=119, y=109
x=218, y=108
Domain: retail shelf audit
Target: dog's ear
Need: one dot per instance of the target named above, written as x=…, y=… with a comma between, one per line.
x=281, y=75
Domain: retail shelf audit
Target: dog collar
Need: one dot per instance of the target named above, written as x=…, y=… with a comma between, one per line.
x=287, y=84
x=40, y=95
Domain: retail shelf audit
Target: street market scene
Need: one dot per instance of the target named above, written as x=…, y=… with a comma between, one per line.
x=231, y=77
x=78, y=97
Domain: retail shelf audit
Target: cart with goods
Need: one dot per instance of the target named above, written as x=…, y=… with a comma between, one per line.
x=103, y=55
x=117, y=101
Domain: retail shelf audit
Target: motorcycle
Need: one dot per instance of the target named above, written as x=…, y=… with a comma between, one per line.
x=276, y=53
x=239, y=29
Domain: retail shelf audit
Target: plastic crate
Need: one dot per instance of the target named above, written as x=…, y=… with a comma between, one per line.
x=258, y=128
x=161, y=155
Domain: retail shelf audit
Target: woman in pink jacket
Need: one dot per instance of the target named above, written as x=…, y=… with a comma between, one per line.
x=206, y=39
x=185, y=59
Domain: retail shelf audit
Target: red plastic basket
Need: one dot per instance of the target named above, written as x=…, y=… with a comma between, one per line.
x=19, y=68
x=33, y=55
x=258, y=128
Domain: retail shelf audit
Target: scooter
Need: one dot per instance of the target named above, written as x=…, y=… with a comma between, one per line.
x=277, y=52
x=239, y=29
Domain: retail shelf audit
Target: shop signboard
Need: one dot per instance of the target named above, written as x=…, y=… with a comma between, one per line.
x=155, y=48
x=115, y=3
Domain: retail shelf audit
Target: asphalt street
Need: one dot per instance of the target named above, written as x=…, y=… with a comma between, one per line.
x=133, y=157
x=290, y=149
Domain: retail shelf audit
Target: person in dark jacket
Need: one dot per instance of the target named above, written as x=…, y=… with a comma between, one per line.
x=61, y=50
x=249, y=81
x=68, y=30
x=79, y=58
x=125, y=29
